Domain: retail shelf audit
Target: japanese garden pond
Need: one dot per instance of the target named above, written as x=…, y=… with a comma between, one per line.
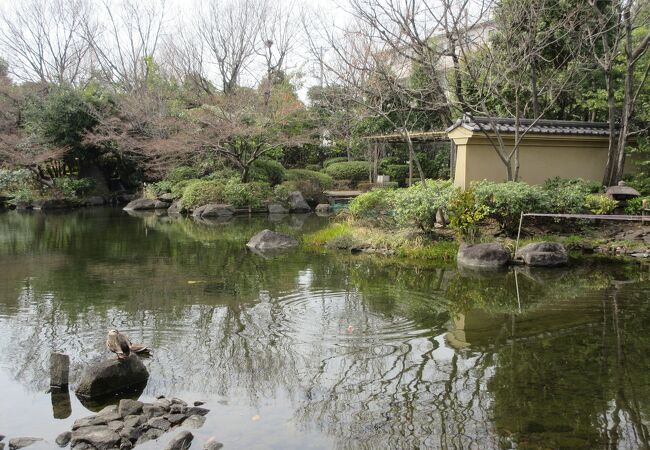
x=306, y=349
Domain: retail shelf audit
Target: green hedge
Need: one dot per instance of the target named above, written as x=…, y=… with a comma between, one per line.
x=352, y=170
x=336, y=159
x=267, y=170
x=240, y=195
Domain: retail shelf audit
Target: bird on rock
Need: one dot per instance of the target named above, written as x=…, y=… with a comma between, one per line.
x=120, y=344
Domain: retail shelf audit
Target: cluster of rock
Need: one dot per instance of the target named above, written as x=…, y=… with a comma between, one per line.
x=296, y=204
x=638, y=243
x=128, y=424
x=495, y=256
x=132, y=423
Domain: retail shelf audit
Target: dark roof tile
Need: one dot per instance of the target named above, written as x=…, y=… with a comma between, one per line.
x=507, y=125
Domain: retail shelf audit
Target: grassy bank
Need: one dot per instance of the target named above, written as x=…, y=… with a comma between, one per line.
x=405, y=243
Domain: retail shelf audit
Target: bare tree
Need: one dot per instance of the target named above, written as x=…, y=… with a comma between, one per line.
x=44, y=40
x=184, y=58
x=279, y=27
x=617, y=46
x=125, y=46
x=230, y=30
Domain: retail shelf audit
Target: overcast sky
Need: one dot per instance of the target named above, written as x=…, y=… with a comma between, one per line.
x=183, y=11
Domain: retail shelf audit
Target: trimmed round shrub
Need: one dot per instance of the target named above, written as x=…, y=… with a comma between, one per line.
x=243, y=195
x=506, y=201
x=201, y=192
x=397, y=172
x=267, y=170
x=336, y=159
x=310, y=183
x=352, y=170
x=314, y=167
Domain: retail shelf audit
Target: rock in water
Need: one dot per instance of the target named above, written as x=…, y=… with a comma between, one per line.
x=323, y=208
x=59, y=369
x=269, y=240
x=483, y=256
x=100, y=437
x=182, y=441
x=212, y=444
x=297, y=203
x=63, y=439
x=128, y=407
x=112, y=376
x=277, y=208
x=543, y=254
x=141, y=204
x=216, y=210
x=22, y=442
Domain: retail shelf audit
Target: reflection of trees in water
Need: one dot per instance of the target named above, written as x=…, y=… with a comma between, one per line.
x=570, y=370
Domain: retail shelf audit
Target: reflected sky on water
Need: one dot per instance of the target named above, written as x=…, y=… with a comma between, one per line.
x=305, y=349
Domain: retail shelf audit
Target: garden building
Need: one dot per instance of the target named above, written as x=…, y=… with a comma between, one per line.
x=549, y=148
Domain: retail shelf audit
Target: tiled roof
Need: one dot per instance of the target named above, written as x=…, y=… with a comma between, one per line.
x=507, y=125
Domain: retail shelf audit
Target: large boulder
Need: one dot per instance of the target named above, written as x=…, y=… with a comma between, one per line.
x=113, y=375
x=297, y=203
x=543, y=254
x=277, y=208
x=175, y=209
x=217, y=210
x=483, y=256
x=141, y=204
x=270, y=240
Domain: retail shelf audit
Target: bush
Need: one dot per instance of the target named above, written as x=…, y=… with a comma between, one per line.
x=465, y=215
x=182, y=173
x=223, y=175
x=314, y=167
x=506, y=201
x=334, y=160
x=419, y=204
x=600, y=204
x=240, y=195
x=635, y=206
x=74, y=187
x=243, y=195
x=201, y=192
x=267, y=170
x=567, y=196
x=281, y=193
x=352, y=170
x=14, y=180
x=311, y=184
x=375, y=205
x=397, y=172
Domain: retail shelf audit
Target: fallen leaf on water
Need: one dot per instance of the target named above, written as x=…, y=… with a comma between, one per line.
x=195, y=282
x=255, y=418
x=350, y=329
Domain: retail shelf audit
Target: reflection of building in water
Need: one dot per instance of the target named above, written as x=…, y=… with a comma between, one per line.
x=480, y=329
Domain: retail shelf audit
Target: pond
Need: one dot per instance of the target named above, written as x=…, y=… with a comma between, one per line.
x=308, y=349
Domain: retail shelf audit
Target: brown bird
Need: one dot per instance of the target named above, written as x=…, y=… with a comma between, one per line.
x=119, y=344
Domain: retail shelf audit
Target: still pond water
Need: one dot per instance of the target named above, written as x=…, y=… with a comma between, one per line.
x=312, y=350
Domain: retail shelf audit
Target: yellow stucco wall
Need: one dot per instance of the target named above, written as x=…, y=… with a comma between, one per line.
x=541, y=157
